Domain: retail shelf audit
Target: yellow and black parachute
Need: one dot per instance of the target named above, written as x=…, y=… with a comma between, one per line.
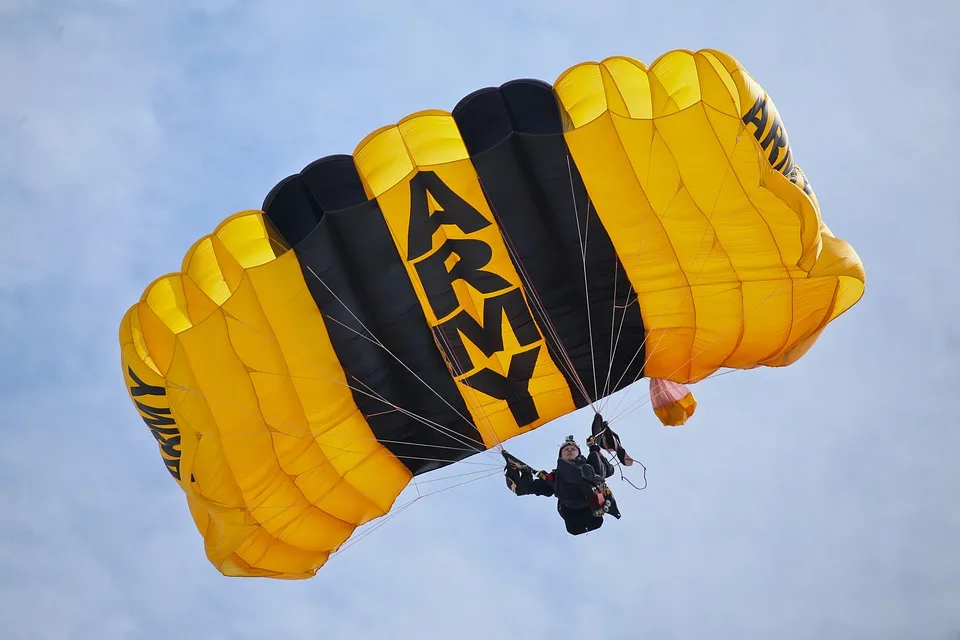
x=466, y=277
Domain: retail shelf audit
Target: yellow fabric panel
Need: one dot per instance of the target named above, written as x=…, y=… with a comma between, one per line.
x=387, y=161
x=721, y=243
x=839, y=260
x=342, y=444
x=278, y=465
x=803, y=206
x=150, y=395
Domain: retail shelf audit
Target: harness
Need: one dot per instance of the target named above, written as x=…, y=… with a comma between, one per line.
x=599, y=500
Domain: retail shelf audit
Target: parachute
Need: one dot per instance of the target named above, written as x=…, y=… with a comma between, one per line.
x=672, y=402
x=465, y=277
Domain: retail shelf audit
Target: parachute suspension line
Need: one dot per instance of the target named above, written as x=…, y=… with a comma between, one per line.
x=613, y=320
x=566, y=362
x=551, y=330
x=377, y=342
x=382, y=413
x=478, y=446
x=615, y=342
x=439, y=427
x=623, y=308
x=459, y=370
x=627, y=368
x=583, y=255
x=416, y=485
x=354, y=540
x=465, y=474
x=397, y=510
x=607, y=389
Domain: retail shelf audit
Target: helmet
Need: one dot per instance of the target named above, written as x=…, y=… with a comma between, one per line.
x=567, y=443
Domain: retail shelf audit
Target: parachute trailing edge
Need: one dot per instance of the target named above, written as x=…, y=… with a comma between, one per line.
x=465, y=277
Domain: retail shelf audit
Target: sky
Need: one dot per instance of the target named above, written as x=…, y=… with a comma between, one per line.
x=816, y=501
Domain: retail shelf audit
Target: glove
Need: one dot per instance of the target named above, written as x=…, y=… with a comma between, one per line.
x=515, y=476
x=588, y=473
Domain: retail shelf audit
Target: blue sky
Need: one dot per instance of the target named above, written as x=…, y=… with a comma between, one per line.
x=814, y=501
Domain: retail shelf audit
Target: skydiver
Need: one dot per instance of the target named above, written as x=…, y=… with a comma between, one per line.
x=578, y=482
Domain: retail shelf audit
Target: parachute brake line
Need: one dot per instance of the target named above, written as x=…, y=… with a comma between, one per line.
x=627, y=480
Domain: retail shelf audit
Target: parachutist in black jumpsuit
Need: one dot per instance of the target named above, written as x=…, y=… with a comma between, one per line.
x=578, y=483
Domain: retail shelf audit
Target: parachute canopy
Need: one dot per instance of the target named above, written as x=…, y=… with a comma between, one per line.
x=465, y=277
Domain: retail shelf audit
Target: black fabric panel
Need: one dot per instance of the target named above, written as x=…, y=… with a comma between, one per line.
x=514, y=135
x=334, y=183
x=358, y=272
x=290, y=211
x=396, y=317
x=486, y=127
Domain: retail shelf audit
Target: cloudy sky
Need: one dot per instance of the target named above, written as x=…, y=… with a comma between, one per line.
x=819, y=501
